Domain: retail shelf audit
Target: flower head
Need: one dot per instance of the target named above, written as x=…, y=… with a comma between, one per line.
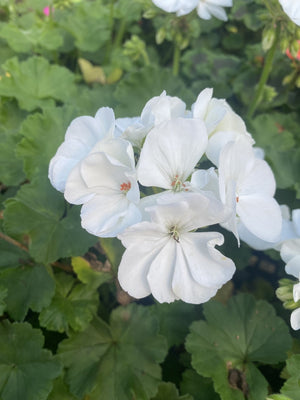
x=165, y=258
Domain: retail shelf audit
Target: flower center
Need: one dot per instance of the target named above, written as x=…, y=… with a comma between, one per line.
x=174, y=233
x=125, y=187
x=177, y=185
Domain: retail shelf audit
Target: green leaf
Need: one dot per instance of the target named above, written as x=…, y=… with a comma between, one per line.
x=86, y=274
x=11, y=256
x=276, y=134
x=168, y=391
x=73, y=306
x=60, y=391
x=11, y=169
x=278, y=397
x=113, y=249
x=42, y=135
x=175, y=319
x=35, y=83
x=201, y=388
x=3, y=294
x=233, y=338
x=28, y=287
x=120, y=361
x=54, y=228
x=136, y=88
x=93, y=15
x=31, y=38
x=291, y=387
x=27, y=370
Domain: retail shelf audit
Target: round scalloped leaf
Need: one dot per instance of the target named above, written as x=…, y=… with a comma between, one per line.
x=35, y=83
x=233, y=337
x=198, y=386
x=116, y=361
x=54, y=228
x=29, y=286
x=291, y=387
x=73, y=306
x=26, y=369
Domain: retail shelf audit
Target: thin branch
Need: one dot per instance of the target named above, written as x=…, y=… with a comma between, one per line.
x=13, y=241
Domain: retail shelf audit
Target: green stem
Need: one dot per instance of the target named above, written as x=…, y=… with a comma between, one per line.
x=264, y=75
x=120, y=34
x=176, y=60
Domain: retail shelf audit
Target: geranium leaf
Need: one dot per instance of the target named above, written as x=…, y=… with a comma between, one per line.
x=201, y=388
x=73, y=306
x=3, y=294
x=93, y=15
x=94, y=277
x=116, y=361
x=54, y=228
x=28, y=287
x=278, y=142
x=175, y=319
x=42, y=135
x=233, y=338
x=291, y=387
x=168, y=391
x=35, y=83
x=26, y=369
x=143, y=85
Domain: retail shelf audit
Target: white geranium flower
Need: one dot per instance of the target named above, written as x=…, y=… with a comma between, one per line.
x=292, y=9
x=81, y=136
x=158, y=109
x=222, y=123
x=247, y=185
x=171, y=152
x=165, y=258
x=105, y=183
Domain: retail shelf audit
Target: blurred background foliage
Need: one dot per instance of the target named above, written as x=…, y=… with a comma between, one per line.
x=67, y=329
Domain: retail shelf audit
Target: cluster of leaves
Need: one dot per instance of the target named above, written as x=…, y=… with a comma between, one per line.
x=67, y=330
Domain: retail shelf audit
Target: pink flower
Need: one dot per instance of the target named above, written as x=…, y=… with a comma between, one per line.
x=47, y=10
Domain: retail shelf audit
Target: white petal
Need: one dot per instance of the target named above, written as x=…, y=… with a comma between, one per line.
x=203, y=11
x=295, y=319
x=292, y=9
x=259, y=180
x=207, y=265
x=161, y=273
x=107, y=216
x=76, y=190
x=217, y=12
x=261, y=215
x=296, y=292
x=185, y=286
x=296, y=220
x=143, y=241
x=199, y=108
x=118, y=151
x=123, y=123
x=171, y=149
x=293, y=266
x=290, y=249
x=105, y=119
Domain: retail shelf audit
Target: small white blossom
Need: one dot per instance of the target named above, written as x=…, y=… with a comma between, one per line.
x=158, y=109
x=222, y=123
x=81, y=136
x=105, y=183
x=170, y=153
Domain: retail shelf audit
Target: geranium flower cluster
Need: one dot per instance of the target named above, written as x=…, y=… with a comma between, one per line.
x=141, y=179
x=205, y=8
